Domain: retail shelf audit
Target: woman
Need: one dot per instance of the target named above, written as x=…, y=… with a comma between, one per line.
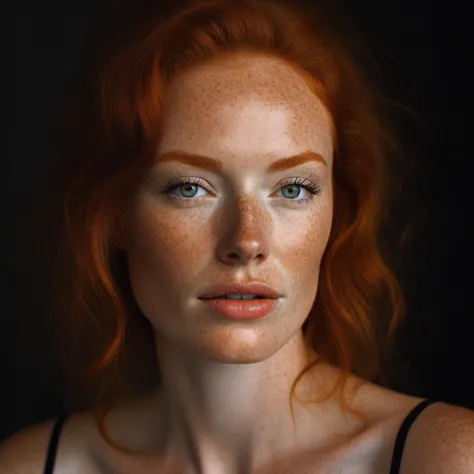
x=226, y=180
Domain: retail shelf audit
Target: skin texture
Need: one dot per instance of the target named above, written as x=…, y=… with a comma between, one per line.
x=226, y=383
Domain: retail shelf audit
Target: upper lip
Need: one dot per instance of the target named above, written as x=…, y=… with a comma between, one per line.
x=244, y=288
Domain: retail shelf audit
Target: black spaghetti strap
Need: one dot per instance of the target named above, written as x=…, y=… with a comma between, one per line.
x=53, y=444
x=403, y=432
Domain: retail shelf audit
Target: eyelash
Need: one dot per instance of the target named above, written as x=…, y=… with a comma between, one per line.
x=302, y=182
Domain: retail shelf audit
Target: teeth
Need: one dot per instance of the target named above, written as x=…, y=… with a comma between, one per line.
x=238, y=296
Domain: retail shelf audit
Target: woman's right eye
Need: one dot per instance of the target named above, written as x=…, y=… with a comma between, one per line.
x=187, y=188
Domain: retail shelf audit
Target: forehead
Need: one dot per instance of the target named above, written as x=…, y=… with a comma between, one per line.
x=246, y=101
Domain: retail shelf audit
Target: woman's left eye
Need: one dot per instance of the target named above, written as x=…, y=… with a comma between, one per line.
x=295, y=186
x=291, y=189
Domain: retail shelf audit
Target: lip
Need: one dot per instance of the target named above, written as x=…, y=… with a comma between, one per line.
x=242, y=309
x=251, y=287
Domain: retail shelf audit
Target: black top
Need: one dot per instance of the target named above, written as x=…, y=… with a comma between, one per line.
x=53, y=444
x=403, y=432
x=396, y=458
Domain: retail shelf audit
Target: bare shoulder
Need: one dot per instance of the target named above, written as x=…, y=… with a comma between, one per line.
x=441, y=441
x=25, y=451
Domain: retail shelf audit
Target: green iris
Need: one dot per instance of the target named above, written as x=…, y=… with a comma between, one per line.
x=185, y=188
x=292, y=194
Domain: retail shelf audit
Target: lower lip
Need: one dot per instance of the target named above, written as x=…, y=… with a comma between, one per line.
x=242, y=309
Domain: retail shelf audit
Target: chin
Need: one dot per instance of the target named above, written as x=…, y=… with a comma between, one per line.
x=238, y=346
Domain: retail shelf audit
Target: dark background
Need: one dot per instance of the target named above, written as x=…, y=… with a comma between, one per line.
x=423, y=53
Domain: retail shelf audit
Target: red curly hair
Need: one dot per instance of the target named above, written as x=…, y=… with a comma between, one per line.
x=110, y=127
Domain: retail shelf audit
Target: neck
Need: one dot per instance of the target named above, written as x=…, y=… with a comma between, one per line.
x=224, y=417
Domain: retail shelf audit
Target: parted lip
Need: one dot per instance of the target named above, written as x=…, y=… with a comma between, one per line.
x=250, y=287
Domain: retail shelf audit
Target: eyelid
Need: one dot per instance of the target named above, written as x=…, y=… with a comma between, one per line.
x=175, y=183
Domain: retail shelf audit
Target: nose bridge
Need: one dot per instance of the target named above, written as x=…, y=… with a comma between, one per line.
x=245, y=231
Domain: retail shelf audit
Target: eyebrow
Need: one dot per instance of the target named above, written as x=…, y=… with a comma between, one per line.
x=214, y=165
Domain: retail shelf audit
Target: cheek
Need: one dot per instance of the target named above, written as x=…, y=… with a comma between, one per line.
x=302, y=242
x=165, y=242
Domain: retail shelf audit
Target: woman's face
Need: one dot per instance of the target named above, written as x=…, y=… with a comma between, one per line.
x=237, y=220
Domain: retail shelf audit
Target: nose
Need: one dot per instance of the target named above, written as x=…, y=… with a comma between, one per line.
x=245, y=235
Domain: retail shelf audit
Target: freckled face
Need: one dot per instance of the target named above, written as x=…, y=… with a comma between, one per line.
x=242, y=222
